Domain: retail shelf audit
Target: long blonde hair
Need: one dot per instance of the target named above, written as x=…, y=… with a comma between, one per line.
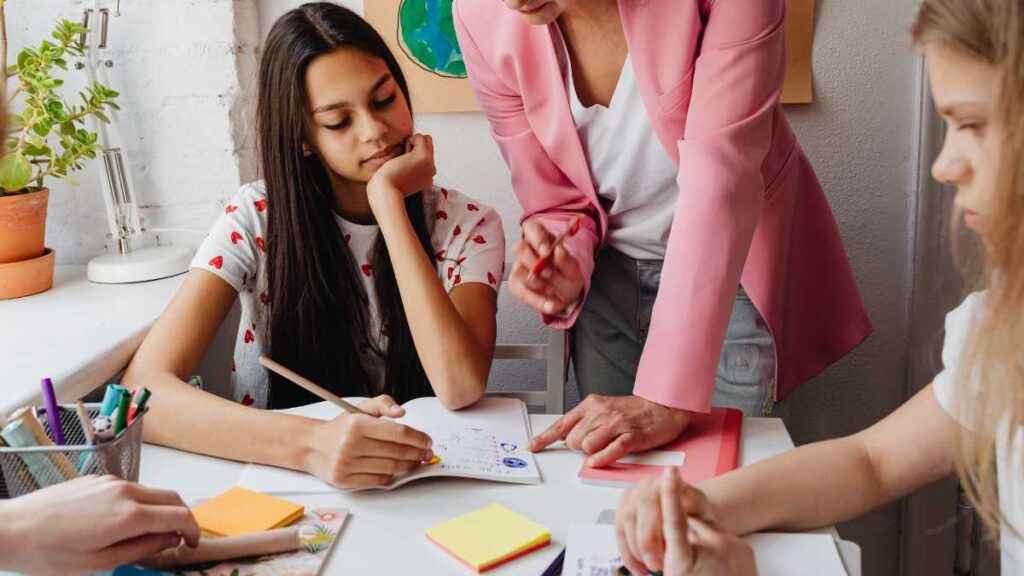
x=992, y=31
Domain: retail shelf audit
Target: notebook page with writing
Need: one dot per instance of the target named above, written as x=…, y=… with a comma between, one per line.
x=488, y=441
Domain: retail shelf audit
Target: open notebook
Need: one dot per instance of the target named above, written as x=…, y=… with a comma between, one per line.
x=488, y=441
x=592, y=549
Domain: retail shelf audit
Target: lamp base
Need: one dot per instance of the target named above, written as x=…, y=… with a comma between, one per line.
x=142, y=265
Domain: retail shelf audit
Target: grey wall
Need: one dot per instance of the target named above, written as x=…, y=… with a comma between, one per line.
x=861, y=135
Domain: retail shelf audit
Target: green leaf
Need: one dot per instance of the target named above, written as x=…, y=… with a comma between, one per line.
x=15, y=172
x=32, y=151
x=24, y=58
x=101, y=116
x=43, y=128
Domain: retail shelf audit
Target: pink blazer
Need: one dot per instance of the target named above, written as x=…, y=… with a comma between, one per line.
x=750, y=207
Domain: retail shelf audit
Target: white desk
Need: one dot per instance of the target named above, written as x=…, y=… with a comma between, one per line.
x=385, y=534
x=79, y=334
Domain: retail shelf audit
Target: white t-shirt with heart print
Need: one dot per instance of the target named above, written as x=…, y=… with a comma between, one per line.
x=468, y=244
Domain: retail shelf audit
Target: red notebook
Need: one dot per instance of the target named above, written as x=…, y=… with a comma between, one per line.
x=710, y=446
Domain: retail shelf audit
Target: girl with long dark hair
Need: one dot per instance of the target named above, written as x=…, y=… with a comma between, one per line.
x=351, y=269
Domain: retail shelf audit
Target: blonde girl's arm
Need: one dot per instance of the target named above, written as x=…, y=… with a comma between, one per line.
x=833, y=481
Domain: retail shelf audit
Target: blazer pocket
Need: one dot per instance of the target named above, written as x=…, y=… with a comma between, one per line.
x=677, y=97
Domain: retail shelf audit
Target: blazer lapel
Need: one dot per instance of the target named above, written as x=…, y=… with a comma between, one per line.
x=546, y=104
x=663, y=37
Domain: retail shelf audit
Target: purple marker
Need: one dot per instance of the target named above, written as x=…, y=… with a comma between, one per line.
x=52, y=413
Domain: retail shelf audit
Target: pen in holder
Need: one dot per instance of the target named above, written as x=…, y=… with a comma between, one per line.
x=23, y=473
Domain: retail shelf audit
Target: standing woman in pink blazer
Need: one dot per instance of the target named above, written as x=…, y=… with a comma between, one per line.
x=657, y=123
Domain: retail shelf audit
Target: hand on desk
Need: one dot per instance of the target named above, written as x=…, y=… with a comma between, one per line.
x=89, y=524
x=610, y=427
x=664, y=525
x=357, y=451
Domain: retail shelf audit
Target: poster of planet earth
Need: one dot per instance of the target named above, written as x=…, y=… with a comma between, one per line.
x=421, y=34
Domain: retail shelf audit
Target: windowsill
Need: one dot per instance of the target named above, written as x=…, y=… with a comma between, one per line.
x=78, y=333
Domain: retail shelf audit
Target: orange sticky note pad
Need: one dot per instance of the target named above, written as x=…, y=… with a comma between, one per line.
x=490, y=536
x=240, y=511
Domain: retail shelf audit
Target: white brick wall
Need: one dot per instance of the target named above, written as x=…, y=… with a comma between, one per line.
x=178, y=66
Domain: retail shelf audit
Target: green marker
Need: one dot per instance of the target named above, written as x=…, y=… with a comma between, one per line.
x=121, y=414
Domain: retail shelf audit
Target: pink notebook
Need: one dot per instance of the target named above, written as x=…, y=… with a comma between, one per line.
x=710, y=446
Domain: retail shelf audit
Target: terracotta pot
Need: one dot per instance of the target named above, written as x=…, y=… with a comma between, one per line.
x=22, y=225
x=27, y=277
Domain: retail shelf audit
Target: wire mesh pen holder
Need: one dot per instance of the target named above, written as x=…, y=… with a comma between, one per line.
x=25, y=470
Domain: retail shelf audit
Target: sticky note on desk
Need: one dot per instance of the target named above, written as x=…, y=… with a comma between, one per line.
x=240, y=511
x=487, y=537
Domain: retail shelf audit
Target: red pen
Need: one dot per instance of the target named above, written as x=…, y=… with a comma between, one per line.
x=545, y=260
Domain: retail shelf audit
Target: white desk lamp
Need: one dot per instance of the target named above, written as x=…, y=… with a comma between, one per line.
x=128, y=264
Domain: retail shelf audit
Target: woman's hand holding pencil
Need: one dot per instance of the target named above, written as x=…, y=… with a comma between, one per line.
x=545, y=276
x=359, y=449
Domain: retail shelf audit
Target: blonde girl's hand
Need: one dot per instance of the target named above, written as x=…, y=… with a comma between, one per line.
x=361, y=451
x=665, y=526
x=407, y=173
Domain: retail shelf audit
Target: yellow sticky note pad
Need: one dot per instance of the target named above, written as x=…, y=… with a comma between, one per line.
x=240, y=511
x=484, y=538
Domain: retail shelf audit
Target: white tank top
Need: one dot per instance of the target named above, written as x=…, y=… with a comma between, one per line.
x=633, y=175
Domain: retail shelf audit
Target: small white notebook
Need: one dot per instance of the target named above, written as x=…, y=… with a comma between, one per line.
x=488, y=441
x=592, y=550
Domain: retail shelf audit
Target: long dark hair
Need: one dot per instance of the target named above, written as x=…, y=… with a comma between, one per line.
x=319, y=317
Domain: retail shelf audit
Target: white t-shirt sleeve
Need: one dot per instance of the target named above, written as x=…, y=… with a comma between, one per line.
x=232, y=249
x=948, y=385
x=471, y=240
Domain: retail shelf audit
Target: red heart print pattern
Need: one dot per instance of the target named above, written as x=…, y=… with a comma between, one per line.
x=230, y=208
x=261, y=244
x=261, y=205
x=472, y=207
x=457, y=231
x=367, y=270
x=442, y=215
x=249, y=336
x=445, y=192
x=479, y=239
x=440, y=255
x=217, y=262
x=247, y=400
x=490, y=278
x=265, y=298
x=236, y=237
x=458, y=279
x=451, y=270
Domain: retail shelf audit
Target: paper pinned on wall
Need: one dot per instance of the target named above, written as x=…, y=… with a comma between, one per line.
x=421, y=34
x=798, y=86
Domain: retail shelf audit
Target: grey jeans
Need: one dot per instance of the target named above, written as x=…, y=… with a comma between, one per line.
x=609, y=336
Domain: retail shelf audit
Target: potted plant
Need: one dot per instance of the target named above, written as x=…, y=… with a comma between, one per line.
x=46, y=138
